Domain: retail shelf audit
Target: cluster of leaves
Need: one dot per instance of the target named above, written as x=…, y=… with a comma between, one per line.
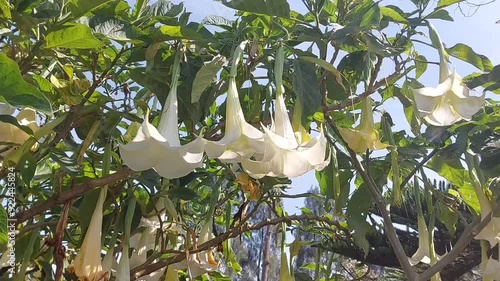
x=89, y=67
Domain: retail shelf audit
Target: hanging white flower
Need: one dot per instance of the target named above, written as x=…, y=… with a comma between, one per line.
x=450, y=101
x=87, y=263
x=161, y=148
x=200, y=263
x=491, y=232
x=287, y=153
x=492, y=269
x=364, y=136
x=13, y=134
x=241, y=140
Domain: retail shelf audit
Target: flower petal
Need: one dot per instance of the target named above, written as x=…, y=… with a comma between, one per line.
x=241, y=140
x=491, y=232
x=443, y=115
x=425, y=100
x=492, y=269
x=142, y=153
x=467, y=107
x=87, y=263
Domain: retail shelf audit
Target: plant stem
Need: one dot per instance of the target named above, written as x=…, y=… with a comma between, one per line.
x=382, y=206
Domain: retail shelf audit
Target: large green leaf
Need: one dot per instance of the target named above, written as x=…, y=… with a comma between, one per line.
x=79, y=8
x=465, y=53
x=205, y=76
x=18, y=92
x=114, y=29
x=74, y=36
x=279, y=8
x=444, y=3
x=490, y=81
x=393, y=14
x=454, y=172
x=306, y=86
x=357, y=211
x=372, y=17
x=170, y=32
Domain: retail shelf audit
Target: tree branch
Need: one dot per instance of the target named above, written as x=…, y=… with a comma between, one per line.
x=75, y=192
x=381, y=205
x=418, y=166
x=232, y=233
x=469, y=233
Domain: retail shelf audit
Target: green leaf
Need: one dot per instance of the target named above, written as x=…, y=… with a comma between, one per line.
x=447, y=216
x=454, y=172
x=86, y=207
x=169, y=32
x=80, y=8
x=444, y=3
x=306, y=86
x=18, y=92
x=372, y=17
x=5, y=9
x=392, y=14
x=165, y=8
x=28, y=168
x=114, y=29
x=279, y=8
x=217, y=21
x=205, y=76
x=440, y=14
x=182, y=193
x=3, y=226
x=357, y=211
x=465, y=53
x=74, y=36
x=487, y=80
x=68, y=164
x=421, y=66
x=325, y=65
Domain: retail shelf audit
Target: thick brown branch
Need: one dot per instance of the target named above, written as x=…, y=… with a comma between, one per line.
x=470, y=232
x=60, y=198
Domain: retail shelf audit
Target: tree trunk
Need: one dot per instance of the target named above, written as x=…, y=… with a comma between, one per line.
x=267, y=248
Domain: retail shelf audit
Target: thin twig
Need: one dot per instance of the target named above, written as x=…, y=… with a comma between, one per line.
x=232, y=233
x=418, y=166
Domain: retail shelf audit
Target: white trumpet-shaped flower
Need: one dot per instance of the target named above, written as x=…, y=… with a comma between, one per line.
x=450, y=101
x=364, y=136
x=241, y=140
x=423, y=252
x=492, y=269
x=200, y=263
x=161, y=148
x=12, y=134
x=491, y=232
x=287, y=153
x=87, y=263
x=123, y=271
x=144, y=241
